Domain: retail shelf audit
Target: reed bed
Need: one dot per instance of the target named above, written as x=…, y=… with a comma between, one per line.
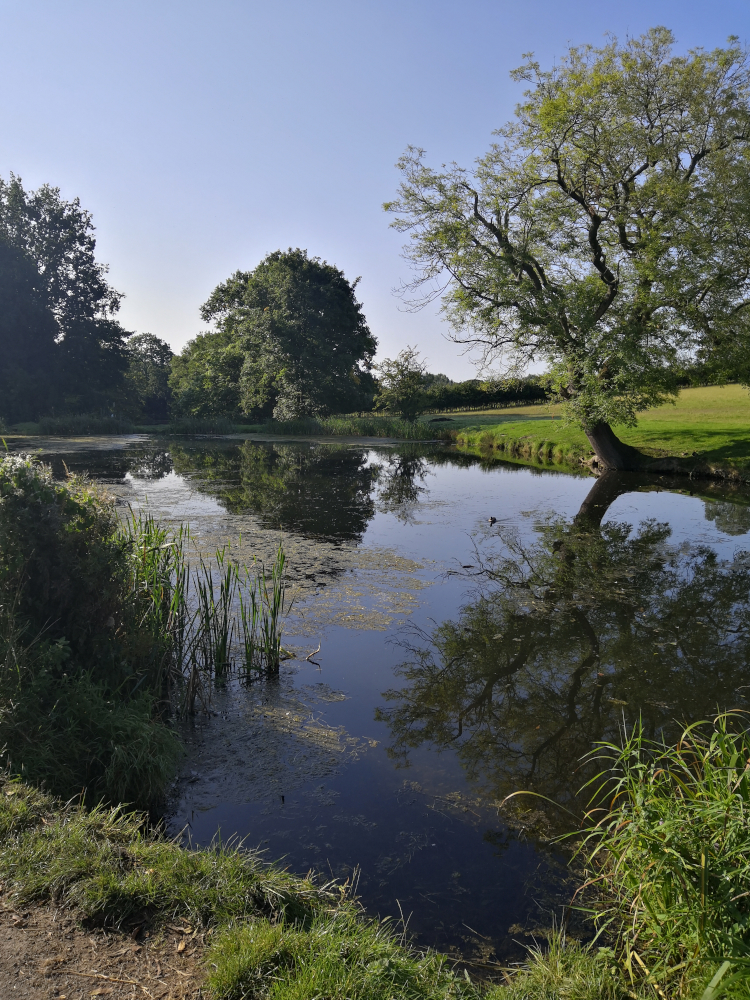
x=85, y=423
x=218, y=618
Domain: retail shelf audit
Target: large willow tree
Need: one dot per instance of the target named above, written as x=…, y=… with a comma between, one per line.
x=606, y=233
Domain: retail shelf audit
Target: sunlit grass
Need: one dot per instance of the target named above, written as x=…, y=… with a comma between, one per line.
x=713, y=421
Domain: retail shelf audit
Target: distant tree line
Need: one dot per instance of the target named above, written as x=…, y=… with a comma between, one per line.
x=475, y=394
x=290, y=338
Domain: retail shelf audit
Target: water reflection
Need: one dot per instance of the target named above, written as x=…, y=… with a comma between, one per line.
x=317, y=490
x=401, y=481
x=730, y=518
x=566, y=637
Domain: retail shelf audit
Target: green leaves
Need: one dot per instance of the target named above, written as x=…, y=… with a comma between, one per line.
x=606, y=233
x=298, y=338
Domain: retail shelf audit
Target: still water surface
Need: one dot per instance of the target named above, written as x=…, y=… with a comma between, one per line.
x=459, y=660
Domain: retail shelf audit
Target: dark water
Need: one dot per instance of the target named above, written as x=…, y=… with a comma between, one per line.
x=459, y=660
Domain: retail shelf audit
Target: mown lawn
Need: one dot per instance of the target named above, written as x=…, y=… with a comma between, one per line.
x=713, y=421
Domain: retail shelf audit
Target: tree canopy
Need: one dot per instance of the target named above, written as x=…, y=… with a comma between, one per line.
x=147, y=375
x=606, y=232
x=291, y=340
x=61, y=345
x=402, y=384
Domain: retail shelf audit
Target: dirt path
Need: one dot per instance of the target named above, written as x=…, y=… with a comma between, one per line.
x=46, y=953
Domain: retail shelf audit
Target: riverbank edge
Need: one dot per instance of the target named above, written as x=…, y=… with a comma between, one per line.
x=111, y=868
x=253, y=920
x=544, y=453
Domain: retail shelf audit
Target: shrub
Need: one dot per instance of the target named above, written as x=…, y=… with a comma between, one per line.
x=83, y=656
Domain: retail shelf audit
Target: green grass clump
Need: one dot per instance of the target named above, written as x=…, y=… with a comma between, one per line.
x=341, y=956
x=106, y=865
x=567, y=970
x=84, y=424
x=671, y=854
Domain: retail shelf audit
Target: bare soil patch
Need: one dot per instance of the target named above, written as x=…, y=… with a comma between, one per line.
x=45, y=952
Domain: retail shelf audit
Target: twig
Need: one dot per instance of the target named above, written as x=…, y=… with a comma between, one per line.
x=100, y=975
x=112, y=979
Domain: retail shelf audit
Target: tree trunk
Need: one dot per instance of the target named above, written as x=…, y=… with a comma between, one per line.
x=607, y=488
x=611, y=452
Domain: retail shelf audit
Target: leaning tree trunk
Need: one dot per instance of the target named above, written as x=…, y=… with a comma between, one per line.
x=610, y=451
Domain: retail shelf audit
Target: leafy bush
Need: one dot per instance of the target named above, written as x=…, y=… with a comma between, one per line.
x=83, y=653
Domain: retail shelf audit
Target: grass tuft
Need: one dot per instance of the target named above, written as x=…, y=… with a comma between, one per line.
x=567, y=970
x=108, y=866
x=340, y=957
x=669, y=854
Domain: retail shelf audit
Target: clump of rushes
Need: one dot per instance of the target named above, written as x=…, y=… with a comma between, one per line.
x=670, y=857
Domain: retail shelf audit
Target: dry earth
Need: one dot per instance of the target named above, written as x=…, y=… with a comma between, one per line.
x=45, y=952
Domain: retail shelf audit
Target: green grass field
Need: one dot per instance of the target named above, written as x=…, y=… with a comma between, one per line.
x=713, y=421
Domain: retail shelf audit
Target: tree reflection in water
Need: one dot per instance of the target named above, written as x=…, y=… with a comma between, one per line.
x=401, y=481
x=317, y=490
x=566, y=638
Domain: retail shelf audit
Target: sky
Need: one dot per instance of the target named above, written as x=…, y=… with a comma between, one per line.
x=203, y=136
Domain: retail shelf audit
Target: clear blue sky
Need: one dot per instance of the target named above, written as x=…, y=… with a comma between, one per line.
x=203, y=135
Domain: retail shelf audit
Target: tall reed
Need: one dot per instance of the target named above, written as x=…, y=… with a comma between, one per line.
x=204, y=620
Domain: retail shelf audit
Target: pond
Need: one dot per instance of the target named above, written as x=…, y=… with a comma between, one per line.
x=459, y=631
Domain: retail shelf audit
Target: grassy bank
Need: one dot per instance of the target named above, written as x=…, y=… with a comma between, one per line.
x=709, y=426
x=669, y=888
x=271, y=934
